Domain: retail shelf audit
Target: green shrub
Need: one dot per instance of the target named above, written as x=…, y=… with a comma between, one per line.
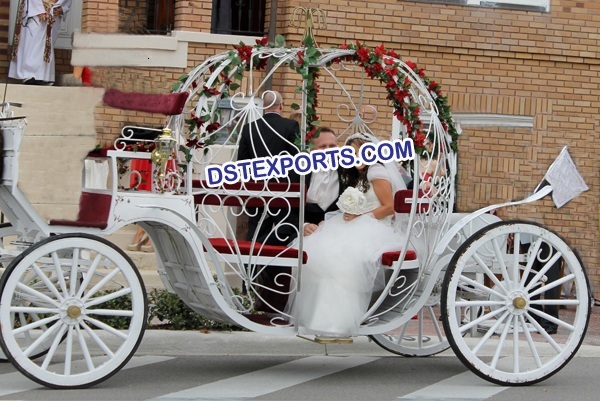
x=121, y=303
x=169, y=308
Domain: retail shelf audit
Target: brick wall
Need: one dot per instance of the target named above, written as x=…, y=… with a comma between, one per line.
x=4, y=16
x=100, y=16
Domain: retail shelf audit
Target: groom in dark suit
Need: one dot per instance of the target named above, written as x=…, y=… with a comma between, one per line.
x=271, y=135
x=324, y=187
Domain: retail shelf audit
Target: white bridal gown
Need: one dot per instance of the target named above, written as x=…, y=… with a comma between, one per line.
x=343, y=264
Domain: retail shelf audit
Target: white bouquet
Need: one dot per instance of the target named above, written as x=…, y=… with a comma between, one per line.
x=353, y=201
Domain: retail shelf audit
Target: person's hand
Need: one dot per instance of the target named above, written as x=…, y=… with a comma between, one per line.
x=350, y=217
x=309, y=229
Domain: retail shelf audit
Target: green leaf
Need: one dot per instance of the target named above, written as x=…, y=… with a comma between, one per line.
x=279, y=40
x=175, y=86
x=183, y=78
x=295, y=106
x=234, y=86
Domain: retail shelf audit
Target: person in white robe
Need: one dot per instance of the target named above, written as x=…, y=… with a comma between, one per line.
x=36, y=31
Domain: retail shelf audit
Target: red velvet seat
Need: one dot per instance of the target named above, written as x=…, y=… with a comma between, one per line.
x=93, y=211
x=168, y=104
x=228, y=246
x=388, y=258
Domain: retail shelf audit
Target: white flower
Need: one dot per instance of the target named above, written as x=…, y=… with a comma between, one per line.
x=353, y=201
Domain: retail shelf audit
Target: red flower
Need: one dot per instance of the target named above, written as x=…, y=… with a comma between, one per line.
x=393, y=54
x=417, y=111
x=422, y=72
x=260, y=63
x=245, y=52
x=406, y=81
x=419, y=139
x=262, y=42
x=194, y=143
x=344, y=46
x=433, y=86
x=194, y=84
x=380, y=50
x=199, y=122
x=399, y=114
x=300, y=57
x=210, y=91
x=212, y=127
x=363, y=54
x=411, y=65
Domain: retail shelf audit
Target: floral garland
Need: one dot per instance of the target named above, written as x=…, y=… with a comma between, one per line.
x=377, y=63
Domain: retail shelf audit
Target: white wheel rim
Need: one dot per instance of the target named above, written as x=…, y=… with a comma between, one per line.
x=537, y=354
x=78, y=355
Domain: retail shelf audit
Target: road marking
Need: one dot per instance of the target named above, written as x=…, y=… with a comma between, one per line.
x=465, y=386
x=274, y=378
x=11, y=383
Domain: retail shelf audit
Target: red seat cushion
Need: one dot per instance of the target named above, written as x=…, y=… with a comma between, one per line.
x=168, y=104
x=93, y=211
x=403, y=201
x=228, y=246
x=388, y=258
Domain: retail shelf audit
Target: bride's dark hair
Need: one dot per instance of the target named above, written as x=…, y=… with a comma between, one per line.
x=353, y=177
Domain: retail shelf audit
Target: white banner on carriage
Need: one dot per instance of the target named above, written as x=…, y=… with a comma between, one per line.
x=566, y=181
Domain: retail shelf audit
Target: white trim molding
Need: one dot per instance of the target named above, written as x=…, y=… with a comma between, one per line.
x=493, y=120
x=121, y=50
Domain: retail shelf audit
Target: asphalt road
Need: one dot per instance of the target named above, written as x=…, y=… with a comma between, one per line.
x=172, y=366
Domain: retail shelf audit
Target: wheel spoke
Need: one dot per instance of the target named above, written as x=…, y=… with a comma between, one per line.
x=552, y=319
x=104, y=326
x=37, y=294
x=489, y=273
x=529, y=265
x=84, y=349
x=541, y=330
x=54, y=346
x=482, y=318
x=500, y=346
x=46, y=334
x=463, y=304
x=59, y=273
x=501, y=264
x=34, y=325
x=47, y=282
x=74, y=268
x=559, y=302
x=100, y=284
x=532, y=347
x=109, y=312
x=97, y=340
x=108, y=297
x=516, y=254
x=69, y=350
x=552, y=285
x=543, y=271
x=436, y=324
x=481, y=287
x=490, y=332
x=516, y=367
x=32, y=309
x=89, y=275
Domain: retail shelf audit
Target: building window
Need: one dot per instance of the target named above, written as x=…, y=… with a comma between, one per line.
x=146, y=16
x=238, y=17
x=525, y=5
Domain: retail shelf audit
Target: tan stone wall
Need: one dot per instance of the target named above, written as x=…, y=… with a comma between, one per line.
x=100, y=16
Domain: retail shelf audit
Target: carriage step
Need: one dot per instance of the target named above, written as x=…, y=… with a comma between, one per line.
x=328, y=340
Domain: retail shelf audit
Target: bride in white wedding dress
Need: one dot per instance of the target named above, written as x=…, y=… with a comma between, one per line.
x=343, y=253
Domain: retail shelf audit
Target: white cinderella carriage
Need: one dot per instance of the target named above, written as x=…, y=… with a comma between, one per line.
x=61, y=278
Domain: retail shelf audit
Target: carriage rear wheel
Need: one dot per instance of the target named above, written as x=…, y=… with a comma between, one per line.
x=531, y=301
x=85, y=297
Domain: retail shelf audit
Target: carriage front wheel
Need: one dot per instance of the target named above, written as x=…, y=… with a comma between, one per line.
x=532, y=298
x=81, y=294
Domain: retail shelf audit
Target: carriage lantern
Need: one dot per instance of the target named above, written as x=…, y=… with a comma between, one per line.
x=228, y=112
x=165, y=145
